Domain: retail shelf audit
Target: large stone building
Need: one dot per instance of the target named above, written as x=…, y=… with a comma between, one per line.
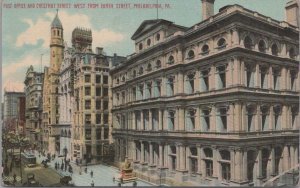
x=51, y=88
x=215, y=103
x=11, y=109
x=34, y=107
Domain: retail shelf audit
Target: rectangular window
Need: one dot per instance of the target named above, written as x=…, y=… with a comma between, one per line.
x=105, y=79
x=98, y=79
x=249, y=76
x=105, y=105
x=157, y=88
x=264, y=119
x=189, y=84
x=190, y=120
x=106, y=132
x=170, y=86
x=221, y=120
x=263, y=78
x=98, y=91
x=276, y=79
x=105, y=119
x=87, y=104
x=98, y=104
x=88, y=134
x=148, y=90
x=193, y=165
x=87, y=78
x=209, y=168
x=221, y=77
x=88, y=119
x=205, y=122
x=87, y=91
x=105, y=92
x=226, y=171
x=171, y=120
x=98, y=134
x=98, y=118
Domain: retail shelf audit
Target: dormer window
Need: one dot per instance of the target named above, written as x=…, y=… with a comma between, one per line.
x=205, y=49
x=157, y=37
x=140, y=46
x=158, y=64
x=170, y=60
x=262, y=46
x=248, y=42
x=149, y=42
x=221, y=44
x=191, y=54
x=275, y=50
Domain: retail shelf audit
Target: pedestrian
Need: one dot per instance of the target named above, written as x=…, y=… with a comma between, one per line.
x=92, y=173
x=92, y=184
x=15, y=178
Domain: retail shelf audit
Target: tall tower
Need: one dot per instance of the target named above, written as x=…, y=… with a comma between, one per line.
x=56, y=44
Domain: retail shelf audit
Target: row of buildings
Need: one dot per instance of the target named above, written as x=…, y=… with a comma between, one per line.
x=215, y=103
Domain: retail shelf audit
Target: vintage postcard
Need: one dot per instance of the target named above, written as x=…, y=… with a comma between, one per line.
x=141, y=93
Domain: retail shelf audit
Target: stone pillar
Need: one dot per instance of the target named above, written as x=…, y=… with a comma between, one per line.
x=271, y=118
x=180, y=83
x=259, y=164
x=229, y=74
x=160, y=119
x=150, y=127
x=199, y=159
x=160, y=153
x=212, y=118
x=257, y=76
x=245, y=166
x=134, y=120
x=178, y=150
x=197, y=81
x=236, y=71
x=181, y=118
x=151, y=161
x=272, y=157
x=242, y=73
x=296, y=160
x=232, y=165
x=216, y=164
x=142, y=152
x=230, y=118
x=283, y=84
x=182, y=157
x=239, y=165
x=243, y=126
x=270, y=80
x=179, y=55
x=258, y=118
x=163, y=86
x=142, y=120
x=165, y=119
x=211, y=78
x=286, y=158
x=237, y=117
x=284, y=119
x=235, y=37
x=197, y=120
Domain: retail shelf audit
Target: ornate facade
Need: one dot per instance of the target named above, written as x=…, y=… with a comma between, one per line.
x=34, y=107
x=213, y=104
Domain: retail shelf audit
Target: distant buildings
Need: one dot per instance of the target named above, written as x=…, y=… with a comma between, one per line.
x=11, y=109
x=34, y=107
x=213, y=104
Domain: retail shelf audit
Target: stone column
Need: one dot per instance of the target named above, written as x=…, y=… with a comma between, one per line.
x=230, y=119
x=258, y=118
x=235, y=37
x=296, y=149
x=178, y=150
x=216, y=165
x=286, y=158
x=199, y=159
x=211, y=78
x=257, y=76
x=229, y=75
x=238, y=168
x=151, y=161
x=179, y=55
x=161, y=163
x=142, y=152
x=165, y=119
x=163, y=86
x=271, y=118
x=245, y=166
x=283, y=84
x=160, y=119
x=237, y=117
x=197, y=120
x=284, y=119
x=197, y=81
x=182, y=157
x=236, y=71
x=232, y=165
x=180, y=83
x=243, y=126
x=270, y=80
x=212, y=119
x=142, y=120
x=181, y=125
x=242, y=73
x=134, y=120
x=150, y=127
x=272, y=157
x=259, y=164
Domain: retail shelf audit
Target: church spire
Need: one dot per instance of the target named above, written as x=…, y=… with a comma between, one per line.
x=56, y=22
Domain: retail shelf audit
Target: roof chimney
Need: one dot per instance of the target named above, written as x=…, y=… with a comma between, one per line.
x=207, y=8
x=292, y=13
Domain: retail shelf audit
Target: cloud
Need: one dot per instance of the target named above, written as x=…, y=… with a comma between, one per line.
x=40, y=30
x=14, y=71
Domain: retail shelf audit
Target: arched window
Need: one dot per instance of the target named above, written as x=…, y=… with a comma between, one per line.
x=205, y=49
x=158, y=37
x=171, y=60
x=262, y=46
x=149, y=42
x=141, y=70
x=248, y=42
x=140, y=46
x=221, y=43
x=292, y=53
x=149, y=67
x=274, y=50
x=158, y=64
x=191, y=54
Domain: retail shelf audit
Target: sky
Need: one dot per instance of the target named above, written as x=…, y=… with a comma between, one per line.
x=26, y=31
